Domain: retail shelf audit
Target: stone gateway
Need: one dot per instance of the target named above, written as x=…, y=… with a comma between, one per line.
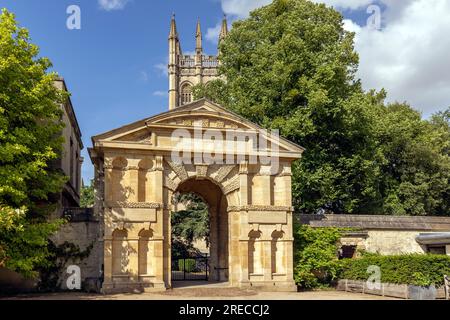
x=250, y=204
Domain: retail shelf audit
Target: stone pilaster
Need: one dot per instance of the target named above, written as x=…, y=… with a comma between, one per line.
x=243, y=176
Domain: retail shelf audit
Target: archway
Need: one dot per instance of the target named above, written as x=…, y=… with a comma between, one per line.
x=216, y=201
x=138, y=170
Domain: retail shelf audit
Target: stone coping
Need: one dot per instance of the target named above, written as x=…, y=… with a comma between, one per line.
x=376, y=222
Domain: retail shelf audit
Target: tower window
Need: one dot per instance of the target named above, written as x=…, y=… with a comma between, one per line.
x=186, y=94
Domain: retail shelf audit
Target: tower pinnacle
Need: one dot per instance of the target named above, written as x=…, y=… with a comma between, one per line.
x=173, y=28
x=224, y=29
x=198, y=39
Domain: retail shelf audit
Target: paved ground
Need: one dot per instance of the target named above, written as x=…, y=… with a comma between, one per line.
x=209, y=292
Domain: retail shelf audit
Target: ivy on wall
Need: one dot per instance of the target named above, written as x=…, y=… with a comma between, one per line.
x=316, y=262
x=51, y=274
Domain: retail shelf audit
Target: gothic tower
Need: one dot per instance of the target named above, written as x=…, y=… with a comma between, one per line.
x=186, y=71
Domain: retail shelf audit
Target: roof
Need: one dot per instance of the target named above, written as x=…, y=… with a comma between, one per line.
x=194, y=111
x=378, y=222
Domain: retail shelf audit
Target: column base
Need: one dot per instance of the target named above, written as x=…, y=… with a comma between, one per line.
x=132, y=287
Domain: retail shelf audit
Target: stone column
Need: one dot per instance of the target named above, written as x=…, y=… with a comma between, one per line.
x=108, y=191
x=243, y=175
x=214, y=250
x=108, y=260
x=158, y=180
x=243, y=249
x=447, y=249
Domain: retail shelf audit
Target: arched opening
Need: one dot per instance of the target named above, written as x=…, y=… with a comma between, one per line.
x=206, y=196
x=255, y=253
x=186, y=94
x=143, y=178
x=118, y=172
x=278, y=256
x=146, y=252
x=120, y=253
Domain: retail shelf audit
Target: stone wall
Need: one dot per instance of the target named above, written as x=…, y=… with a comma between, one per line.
x=383, y=234
x=82, y=234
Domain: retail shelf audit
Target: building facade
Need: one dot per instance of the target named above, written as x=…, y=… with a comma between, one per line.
x=387, y=235
x=250, y=205
x=186, y=71
x=70, y=161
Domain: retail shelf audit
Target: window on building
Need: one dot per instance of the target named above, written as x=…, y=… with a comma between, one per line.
x=436, y=249
x=186, y=94
x=347, y=252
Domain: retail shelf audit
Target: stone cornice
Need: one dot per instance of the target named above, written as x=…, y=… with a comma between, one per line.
x=134, y=205
x=260, y=208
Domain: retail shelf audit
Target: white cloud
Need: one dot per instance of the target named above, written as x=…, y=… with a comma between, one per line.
x=409, y=56
x=241, y=8
x=347, y=4
x=212, y=34
x=109, y=5
x=160, y=93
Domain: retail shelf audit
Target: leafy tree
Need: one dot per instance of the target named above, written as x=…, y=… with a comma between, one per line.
x=416, y=170
x=189, y=225
x=87, y=196
x=30, y=139
x=291, y=66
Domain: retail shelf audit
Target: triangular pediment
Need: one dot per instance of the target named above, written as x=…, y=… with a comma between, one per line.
x=198, y=114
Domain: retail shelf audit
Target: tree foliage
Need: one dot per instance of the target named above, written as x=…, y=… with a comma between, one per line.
x=189, y=225
x=30, y=139
x=291, y=66
x=87, y=196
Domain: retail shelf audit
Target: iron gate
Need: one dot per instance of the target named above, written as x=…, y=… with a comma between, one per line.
x=190, y=268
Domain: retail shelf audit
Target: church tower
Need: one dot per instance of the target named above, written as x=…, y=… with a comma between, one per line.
x=186, y=71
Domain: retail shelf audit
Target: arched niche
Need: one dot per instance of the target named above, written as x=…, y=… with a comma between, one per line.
x=119, y=166
x=146, y=253
x=255, y=253
x=278, y=253
x=145, y=165
x=120, y=253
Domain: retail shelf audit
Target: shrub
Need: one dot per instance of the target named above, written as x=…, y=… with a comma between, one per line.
x=315, y=253
x=412, y=269
x=187, y=265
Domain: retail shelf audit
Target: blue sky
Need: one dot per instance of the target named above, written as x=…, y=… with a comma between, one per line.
x=115, y=65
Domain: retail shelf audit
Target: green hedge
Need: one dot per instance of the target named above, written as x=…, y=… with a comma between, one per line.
x=189, y=264
x=412, y=269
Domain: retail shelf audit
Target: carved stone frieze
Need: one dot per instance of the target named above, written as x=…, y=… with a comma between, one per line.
x=179, y=169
